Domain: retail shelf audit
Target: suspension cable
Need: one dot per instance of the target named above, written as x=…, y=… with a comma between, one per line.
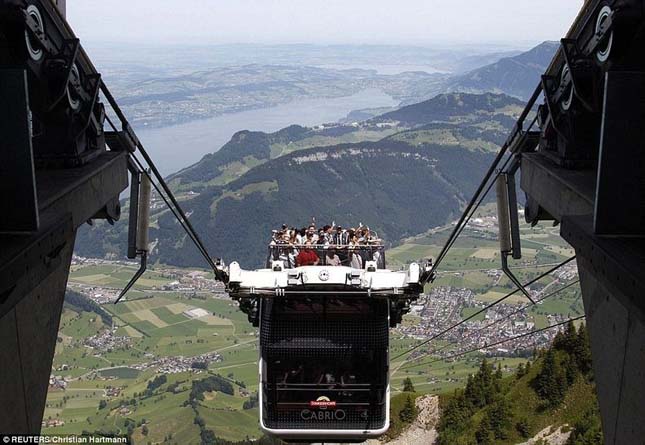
x=460, y=228
x=169, y=198
x=499, y=320
x=478, y=197
x=516, y=337
x=176, y=215
x=494, y=303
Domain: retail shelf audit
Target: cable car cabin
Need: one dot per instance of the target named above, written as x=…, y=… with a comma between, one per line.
x=324, y=366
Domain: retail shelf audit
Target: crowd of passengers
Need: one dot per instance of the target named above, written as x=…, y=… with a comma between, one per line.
x=340, y=247
x=319, y=376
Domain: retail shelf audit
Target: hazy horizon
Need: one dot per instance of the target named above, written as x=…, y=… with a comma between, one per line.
x=360, y=22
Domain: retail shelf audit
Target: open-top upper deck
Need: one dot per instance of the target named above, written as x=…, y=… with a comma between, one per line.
x=322, y=269
x=332, y=265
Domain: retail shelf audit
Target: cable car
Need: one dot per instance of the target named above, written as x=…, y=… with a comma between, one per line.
x=324, y=364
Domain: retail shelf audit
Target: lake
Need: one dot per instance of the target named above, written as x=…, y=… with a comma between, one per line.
x=179, y=146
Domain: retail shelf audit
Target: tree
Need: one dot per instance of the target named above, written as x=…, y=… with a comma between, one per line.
x=498, y=372
x=484, y=435
x=587, y=430
x=582, y=350
x=102, y=404
x=409, y=411
x=570, y=337
x=570, y=369
x=407, y=385
x=199, y=365
x=520, y=371
x=499, y=415
x=482, y=387
x=523, y=428
x=454, y=419
x=208, y=437
x=199, y=421
x=551, y=382
x=144, y=430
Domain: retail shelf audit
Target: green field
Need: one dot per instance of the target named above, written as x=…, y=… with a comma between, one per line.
x=155, y=322
x=440, y=377
x=120, y=373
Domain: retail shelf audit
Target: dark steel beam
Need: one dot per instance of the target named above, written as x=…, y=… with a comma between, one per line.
x=619, y=261
x=621, y=166
x=558, y=190
x=85, y=190
x=29, y=332
x=17, y=177
x=68, y=198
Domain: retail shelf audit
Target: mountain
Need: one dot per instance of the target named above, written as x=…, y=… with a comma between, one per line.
x=453, y=107
x=516, y=76
x=433, y=153
x=248, y=149
x=381, y=184
x=473, y=62
x=554, y=395
x=245, y=150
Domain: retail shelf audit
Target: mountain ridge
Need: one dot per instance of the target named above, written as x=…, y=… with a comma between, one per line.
x=435, y=155
x=516, y=76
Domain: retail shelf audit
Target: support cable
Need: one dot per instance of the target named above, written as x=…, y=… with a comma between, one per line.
x=494, y=303
x=452, y=239
x=494, y=322
x=526, y=334
x=172, y=198
x=478, y=196
x=168, y=198
x=176, y=215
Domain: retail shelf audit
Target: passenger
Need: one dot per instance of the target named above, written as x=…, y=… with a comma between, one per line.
x=329, y=377
x=288, y=257
x=377, y=253
x=321, y=238
x=307, y=257
x=301, y=236
x=341, y=237
x=294, y=375
x=347, y=378
x=356, y=261
x=318, y=375
x=366, y=235
x=311, y=232
x=331, y=259
x=328, y=234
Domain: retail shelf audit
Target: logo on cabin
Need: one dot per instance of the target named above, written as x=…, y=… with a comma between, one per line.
x=323, y=275
x=322, y=402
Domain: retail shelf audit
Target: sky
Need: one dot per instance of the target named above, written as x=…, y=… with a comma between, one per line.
x=406, y=22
